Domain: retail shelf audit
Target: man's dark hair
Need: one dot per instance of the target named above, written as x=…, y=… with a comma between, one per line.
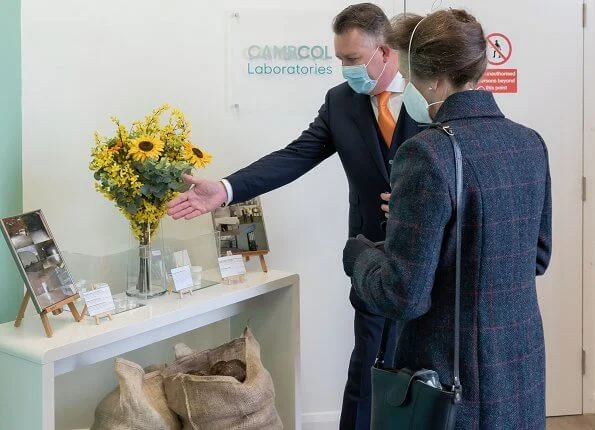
x=366, y=17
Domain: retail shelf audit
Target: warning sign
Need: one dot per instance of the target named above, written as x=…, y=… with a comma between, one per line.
x=499, y=81
x=495, y=79
x=499, y=49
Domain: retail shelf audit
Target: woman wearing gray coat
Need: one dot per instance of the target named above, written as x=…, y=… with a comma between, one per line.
x=506, y=234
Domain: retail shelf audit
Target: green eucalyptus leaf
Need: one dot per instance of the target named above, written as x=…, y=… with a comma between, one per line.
x=145, y=189
x=160, y=193
x=131, y=208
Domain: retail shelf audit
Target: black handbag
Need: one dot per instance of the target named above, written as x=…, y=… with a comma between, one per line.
x=400, y=399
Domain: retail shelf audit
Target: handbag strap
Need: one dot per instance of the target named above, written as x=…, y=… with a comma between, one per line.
x=458, y=217
x=388, y=323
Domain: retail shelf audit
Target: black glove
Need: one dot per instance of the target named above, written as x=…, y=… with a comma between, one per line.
x=353, y=248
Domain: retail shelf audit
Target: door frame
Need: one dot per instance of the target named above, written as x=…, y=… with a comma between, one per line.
x=589, y=208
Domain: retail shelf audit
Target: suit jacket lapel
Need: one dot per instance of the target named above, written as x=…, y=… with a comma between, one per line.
x=366, y=125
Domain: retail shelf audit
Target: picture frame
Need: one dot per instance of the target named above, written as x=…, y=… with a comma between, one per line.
x=242, y=228
x=39, y=260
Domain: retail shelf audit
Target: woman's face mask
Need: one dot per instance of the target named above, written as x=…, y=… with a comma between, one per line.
x=417, y=106
x=358, y=78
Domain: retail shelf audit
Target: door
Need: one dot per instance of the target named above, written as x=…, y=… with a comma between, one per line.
x=535, y=51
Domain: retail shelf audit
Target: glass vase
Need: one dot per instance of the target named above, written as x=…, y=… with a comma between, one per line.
x=146, y=275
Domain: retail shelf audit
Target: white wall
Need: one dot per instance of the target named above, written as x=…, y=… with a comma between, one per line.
x=85, y=60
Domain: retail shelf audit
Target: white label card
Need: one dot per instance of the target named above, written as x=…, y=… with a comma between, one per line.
x=182, y=277
x=99, y=300
x=232, y=265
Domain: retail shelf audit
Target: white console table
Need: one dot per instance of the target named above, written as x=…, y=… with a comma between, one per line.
x=30, y=362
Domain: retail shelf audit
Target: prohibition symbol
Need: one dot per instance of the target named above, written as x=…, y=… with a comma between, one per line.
x=500, y=49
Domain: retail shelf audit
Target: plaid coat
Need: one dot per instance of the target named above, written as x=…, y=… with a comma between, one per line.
x=506, y=242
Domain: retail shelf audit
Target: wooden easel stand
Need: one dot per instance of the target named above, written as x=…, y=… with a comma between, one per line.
x=260, y=254
x=103, y=315
x=185, y=291
x=170, y=290
x=234, y=279
x=56, y=309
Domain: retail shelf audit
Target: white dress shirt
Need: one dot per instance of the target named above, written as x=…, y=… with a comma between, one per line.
x=396, y=98
x=394, y=104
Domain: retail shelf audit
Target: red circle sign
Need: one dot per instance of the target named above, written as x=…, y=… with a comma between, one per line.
x=500, y=49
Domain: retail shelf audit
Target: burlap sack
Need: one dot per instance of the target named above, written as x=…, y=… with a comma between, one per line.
x=222, y=402
x=138, y=403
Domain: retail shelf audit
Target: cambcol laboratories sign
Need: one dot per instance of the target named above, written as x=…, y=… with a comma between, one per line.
x=280, y=61
x=289, y=60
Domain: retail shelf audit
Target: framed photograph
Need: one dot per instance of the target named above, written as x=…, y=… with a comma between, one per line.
x=241, y=228
x=38, y=258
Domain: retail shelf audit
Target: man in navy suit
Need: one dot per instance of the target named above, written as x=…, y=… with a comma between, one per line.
x=362, y=120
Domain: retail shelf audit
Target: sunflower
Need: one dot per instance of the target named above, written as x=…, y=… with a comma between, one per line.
x=196, y=156
x=145, y=147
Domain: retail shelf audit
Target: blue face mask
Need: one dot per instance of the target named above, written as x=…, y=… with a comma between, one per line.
x=417, y=106
x=358, y=78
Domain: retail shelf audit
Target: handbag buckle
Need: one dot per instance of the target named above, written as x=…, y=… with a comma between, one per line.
x=458, y=390
x=447, y=130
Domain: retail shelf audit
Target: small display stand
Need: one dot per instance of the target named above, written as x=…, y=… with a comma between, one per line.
x=55, y=309
x=98, y=317
x=181, y=280
x=103, y=315
x=170, y=290
x=234, y=279
x=236, y=274
x=186, y=291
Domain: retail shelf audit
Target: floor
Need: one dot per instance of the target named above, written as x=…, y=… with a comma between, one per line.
x=585, y=422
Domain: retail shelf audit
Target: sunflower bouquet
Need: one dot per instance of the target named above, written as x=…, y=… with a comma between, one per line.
x=140, y=169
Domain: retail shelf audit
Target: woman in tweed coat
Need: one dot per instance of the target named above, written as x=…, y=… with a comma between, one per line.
x=506, y=239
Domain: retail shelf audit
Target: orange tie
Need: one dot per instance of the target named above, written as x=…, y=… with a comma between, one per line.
x=386, y=122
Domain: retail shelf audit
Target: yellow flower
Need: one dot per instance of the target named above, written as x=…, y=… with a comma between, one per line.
x=145, y=147
x=102, y=157
x=119, y=178
x=195, y=156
